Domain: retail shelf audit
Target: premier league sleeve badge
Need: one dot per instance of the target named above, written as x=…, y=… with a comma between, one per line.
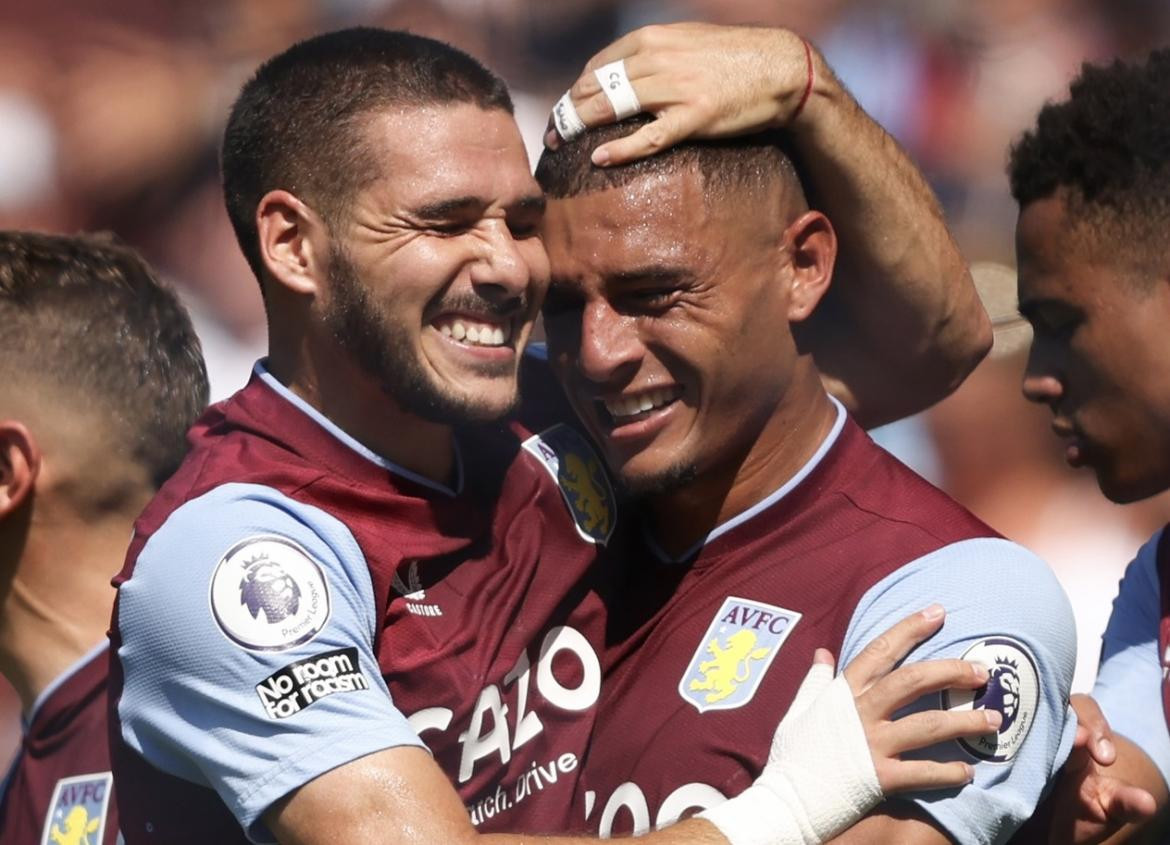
x=1013, y=689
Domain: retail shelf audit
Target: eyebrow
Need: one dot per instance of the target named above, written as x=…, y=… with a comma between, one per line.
x=650, y=273
x=460, y=206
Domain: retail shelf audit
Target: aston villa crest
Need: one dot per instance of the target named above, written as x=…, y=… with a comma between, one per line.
x=77, y=813
x=577, y=470
x=734, y=654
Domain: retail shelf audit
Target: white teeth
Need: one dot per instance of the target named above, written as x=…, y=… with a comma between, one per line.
x=628, y=406
x=479, y=334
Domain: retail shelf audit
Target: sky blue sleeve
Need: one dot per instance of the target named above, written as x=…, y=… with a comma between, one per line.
x=1129, y=680
x=1005, y=609
x=248, y=630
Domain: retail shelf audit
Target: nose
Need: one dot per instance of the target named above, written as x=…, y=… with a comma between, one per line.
x=500, y=270
x=610, y=349
x=1042, y=383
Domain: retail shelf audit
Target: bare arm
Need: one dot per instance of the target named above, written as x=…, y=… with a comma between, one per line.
x=902, y=325
x=1108, y=790
x=401, y=795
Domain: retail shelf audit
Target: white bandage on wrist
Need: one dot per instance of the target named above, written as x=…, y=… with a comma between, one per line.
x=568, y=123
x=618, y=89
x=819, y=779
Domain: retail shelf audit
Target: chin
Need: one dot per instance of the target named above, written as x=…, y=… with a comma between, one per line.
x=655, y=482
x=1124, y=491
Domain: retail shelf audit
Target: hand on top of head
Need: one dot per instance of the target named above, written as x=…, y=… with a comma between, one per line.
x=698, y=80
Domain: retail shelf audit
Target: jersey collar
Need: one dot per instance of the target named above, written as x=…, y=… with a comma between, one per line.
x=338, y=434
x=764, y=504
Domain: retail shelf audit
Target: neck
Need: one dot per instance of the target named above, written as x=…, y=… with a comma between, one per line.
x=786, y=442
x=55, y=596
x=328, y=380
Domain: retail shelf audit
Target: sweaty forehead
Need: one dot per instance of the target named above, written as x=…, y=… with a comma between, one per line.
x=431, y=153
x=661, y=219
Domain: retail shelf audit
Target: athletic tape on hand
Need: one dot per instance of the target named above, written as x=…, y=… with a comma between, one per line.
x=568, y=123
x=618, y=89
x=819, y=780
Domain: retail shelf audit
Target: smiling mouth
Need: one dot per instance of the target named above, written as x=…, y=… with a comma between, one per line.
x=474, y=331
x=634, y=407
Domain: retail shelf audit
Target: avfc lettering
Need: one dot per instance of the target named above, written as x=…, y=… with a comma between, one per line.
x=734, y=654
x=305, y=682
x=78, y=809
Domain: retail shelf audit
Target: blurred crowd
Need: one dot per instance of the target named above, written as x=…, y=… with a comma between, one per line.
x=111, y=111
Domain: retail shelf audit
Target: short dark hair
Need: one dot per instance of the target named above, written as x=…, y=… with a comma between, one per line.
x=86, y=314
x=1106, y=149
x=726, y=164
x=297, y=124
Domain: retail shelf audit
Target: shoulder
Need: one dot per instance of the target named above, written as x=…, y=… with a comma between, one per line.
x=250, y=555
x=1000, y=578
x=992, y=590
x=879, y=484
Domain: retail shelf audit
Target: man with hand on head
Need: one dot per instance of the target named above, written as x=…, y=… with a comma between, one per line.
x=682, y=286
x=1093, y=180
x=102, y=376
x=361, y=562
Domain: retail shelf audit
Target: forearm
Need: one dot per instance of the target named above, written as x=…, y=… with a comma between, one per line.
x=897, y=823
x=689, y=832
x=902, y=288
x=1134, y=767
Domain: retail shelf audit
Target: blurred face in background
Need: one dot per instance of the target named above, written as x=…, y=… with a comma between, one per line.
x=1100, y=356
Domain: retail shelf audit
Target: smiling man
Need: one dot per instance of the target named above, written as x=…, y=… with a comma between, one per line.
x=1093, y=180
x=360, y=563
x=678, y=317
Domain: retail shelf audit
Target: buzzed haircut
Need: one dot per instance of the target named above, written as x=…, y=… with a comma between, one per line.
x=86, y=316
x=298, y=124
x=1106, y=149
x=728, y=166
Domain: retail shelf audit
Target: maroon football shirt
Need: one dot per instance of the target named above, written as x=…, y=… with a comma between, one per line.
x=491, y=619
x=59, y=790
x=706, y=653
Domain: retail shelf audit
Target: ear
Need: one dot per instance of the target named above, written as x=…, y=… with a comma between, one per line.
x=20, y=464
x=294, y=241
x=814, y=251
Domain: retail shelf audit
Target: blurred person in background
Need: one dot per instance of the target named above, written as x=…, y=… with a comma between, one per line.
x=994, y=456
x=1092, y=180
x=102, y=376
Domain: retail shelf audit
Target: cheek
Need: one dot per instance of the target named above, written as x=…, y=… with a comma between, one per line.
x=533, y=254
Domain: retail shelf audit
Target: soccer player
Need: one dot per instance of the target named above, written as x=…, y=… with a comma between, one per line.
x=680, y=288
x=1093, y=182
x=358, y=557
x=102, y=376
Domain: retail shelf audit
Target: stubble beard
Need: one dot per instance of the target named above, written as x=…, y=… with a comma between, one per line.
x=384, y=352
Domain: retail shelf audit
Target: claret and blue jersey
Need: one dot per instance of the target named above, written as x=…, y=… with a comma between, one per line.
x=708, y=649
x=292, y=602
